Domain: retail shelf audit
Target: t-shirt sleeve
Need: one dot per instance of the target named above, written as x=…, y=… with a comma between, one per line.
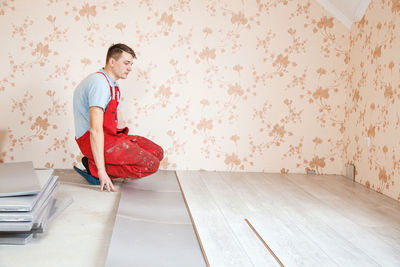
x=99, y=93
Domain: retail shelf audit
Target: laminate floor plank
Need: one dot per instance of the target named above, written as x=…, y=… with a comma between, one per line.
x=374, y=211
x=294, y=206
x=220, y=244
x=348, y=222
x=371, y=209
x=235, y=210
x=359, y=206
x=320, y=220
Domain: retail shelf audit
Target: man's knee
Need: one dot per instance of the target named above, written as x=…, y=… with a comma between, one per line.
x=153, y=165
x=160, y=154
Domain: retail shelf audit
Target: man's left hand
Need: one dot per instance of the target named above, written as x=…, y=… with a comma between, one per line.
x=105, y=181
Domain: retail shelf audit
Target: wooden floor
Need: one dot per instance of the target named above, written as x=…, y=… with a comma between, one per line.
x=259, y=219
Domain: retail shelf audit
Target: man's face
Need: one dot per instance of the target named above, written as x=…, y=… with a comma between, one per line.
x=122, y=66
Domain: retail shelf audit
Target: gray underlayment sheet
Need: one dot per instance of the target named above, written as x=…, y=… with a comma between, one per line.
x=153, y=227
x=21, y=238
x=15, y=238
x=26, y=216
x=26, y=203
x=22, y=226
x=28, y=230
x=13, y=227
x=18, y=178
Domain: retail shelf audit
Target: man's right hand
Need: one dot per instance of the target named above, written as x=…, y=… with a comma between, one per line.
x=105, y=181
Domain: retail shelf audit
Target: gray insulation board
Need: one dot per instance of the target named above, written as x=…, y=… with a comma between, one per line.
x=157, y=221
x=15, y=238
x=54, y=208
x=40, y=224
x=31, y=215
x=26, y=203
x=18, y=178
x=21, y=238
x=21, y=226
x=60, y=205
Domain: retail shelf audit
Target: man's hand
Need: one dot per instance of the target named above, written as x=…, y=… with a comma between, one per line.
x=105, y=181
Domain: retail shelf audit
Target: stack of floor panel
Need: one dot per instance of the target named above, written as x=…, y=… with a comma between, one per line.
x=27, y=201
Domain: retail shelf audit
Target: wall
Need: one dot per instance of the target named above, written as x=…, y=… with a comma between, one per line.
x=221, y=85
x=373, y=98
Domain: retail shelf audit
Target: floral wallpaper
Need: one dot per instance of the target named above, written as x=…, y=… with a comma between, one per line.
x=372, y=111
x=270, y=86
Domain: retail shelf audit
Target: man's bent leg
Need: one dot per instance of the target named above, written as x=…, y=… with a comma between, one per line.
x=131, y=171
x=127, y=159
x=149, y=146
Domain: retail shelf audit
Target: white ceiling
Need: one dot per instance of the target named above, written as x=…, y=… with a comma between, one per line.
x=347, y=11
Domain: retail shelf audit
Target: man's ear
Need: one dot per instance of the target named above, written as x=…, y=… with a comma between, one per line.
x=111, y=61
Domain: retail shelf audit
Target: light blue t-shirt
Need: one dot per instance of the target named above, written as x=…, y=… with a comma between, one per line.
x=92, y=91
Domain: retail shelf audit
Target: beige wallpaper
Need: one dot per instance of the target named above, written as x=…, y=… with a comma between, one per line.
x=221, y=85
x=373, y=99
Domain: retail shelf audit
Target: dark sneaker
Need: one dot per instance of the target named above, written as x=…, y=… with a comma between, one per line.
x=85, y=162
x=91, y=179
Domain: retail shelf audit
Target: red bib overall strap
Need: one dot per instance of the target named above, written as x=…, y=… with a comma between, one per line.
x=113, y=95
x=110, y=115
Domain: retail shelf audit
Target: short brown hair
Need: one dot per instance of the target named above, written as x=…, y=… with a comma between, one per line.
x=116, y=50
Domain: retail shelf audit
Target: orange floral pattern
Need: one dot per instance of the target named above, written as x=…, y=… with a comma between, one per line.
x=373, y=99
x=216, y=83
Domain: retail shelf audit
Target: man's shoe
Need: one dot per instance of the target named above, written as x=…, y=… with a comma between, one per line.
x=85, y=162
x=91, y=179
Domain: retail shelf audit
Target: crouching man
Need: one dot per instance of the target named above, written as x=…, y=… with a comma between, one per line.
x=109, y=151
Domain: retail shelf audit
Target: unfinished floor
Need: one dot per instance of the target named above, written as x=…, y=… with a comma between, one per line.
x=243, y=219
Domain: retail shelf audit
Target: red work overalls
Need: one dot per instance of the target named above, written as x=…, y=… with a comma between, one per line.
x=125, y=156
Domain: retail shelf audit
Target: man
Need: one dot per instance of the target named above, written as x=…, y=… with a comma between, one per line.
x=109, y=152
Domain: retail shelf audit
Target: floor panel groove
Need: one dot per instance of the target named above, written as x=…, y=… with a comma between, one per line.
x=264, y=243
